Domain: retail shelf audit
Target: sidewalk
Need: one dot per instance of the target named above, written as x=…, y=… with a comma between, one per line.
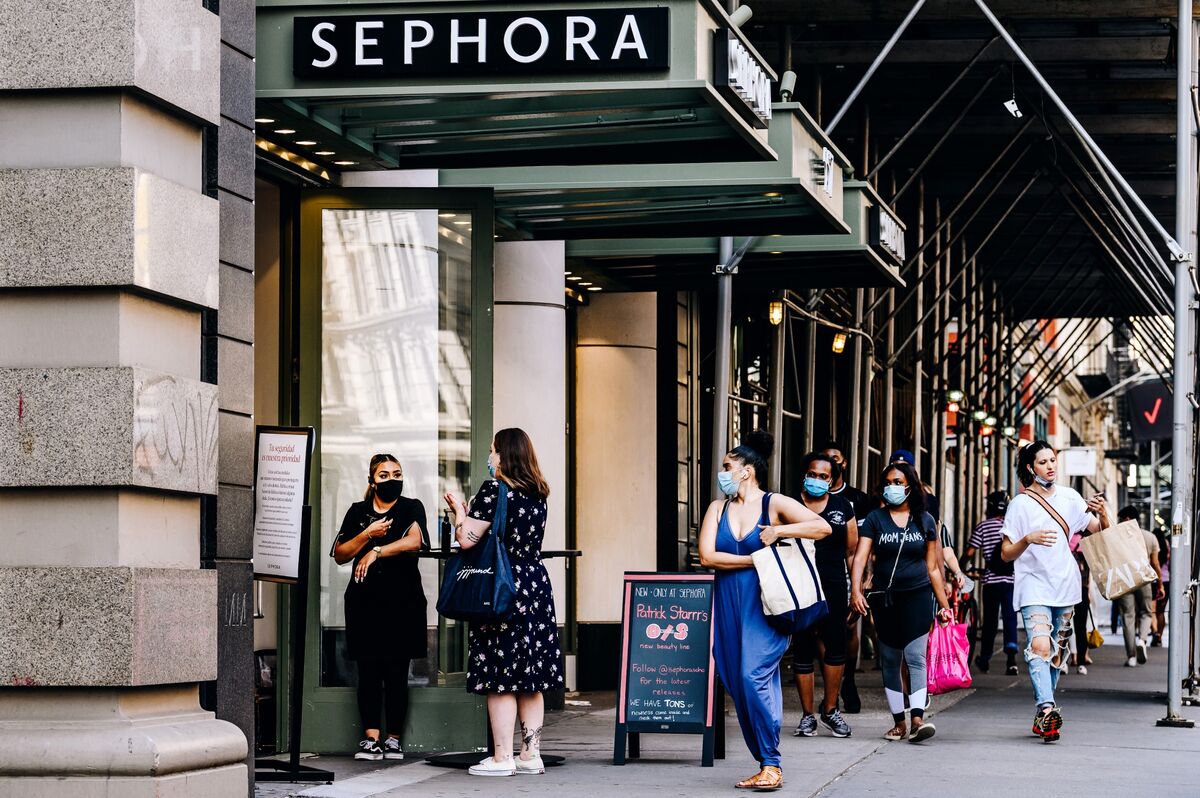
x=983, y=747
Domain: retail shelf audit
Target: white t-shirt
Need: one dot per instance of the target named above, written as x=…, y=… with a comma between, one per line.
x=1046, y=575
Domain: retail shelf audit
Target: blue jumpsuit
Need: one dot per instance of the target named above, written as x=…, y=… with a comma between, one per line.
x=747, y=648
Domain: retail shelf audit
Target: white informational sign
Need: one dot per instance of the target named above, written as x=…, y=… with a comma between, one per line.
x=1078, y=461
x=281, y=460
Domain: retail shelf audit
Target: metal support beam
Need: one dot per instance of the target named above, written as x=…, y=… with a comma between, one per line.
x=778, y=378
x=919, y=363
x=721, y=359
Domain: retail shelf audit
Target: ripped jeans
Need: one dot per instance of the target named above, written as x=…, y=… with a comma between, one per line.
x=1051, y=625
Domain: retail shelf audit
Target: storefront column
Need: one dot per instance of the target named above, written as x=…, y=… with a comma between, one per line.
x=530, y=379
x=616, y=461
x=109, y=284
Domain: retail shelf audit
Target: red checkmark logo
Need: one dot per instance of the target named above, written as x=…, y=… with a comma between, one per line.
x=1152, y=415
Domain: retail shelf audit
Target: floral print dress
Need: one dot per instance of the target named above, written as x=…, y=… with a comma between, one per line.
x=521, y=654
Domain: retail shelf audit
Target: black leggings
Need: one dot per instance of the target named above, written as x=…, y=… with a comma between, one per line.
x=377, y=680
x=830, y=630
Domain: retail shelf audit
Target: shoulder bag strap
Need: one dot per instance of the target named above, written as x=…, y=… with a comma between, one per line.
x=766, y=509
x=1053, y=513
x=500, y=519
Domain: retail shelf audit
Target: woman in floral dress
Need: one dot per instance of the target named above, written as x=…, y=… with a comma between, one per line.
x=515, y=661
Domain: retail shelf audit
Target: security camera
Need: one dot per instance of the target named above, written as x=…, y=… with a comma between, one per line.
x=1011, y=106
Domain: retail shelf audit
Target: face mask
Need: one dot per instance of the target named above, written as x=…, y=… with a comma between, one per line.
x=895, y=494
x=491, y=469
x=815, y=487
x=1045, y=483
x=727, y=484
x=389, y=490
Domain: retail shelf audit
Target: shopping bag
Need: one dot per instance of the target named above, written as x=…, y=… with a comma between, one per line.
x=1118, y=559
x=790, y=589
x=478, y=584
x=946, y=659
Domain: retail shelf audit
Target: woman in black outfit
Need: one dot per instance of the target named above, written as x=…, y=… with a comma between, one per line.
x=385, y=605
x=906, y=584
x=515, y=661
x=827, y=638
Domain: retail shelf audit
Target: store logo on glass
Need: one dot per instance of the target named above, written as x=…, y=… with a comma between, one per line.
x=533, y=42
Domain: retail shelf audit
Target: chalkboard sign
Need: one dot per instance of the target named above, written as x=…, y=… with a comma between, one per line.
x=667, y=674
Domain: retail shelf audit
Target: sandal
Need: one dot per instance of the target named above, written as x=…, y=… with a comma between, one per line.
x=749, y=783
x=896, y=733
x=769, y=780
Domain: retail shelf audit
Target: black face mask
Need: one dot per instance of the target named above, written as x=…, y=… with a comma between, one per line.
x=389, y=490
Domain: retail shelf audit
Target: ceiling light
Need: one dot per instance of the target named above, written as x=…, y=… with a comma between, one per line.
x=595, y=288
x=1009, y=431
x=955, y=395
x=447, y=215
x=979, y=415
x=306, y=143
x=566, y=272
x=345, y=163
x=323, y=152
x=574, y=279
x=462, y=222
x=285, y=131
x=585, y=283
x=262, y=120
x=990, y=421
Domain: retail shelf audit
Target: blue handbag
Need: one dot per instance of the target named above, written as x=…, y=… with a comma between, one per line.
x=478, y=583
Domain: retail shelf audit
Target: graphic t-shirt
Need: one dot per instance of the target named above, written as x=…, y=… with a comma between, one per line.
x=1046, y=575
x=897, y=550
x=858, y=499
x=831, y=550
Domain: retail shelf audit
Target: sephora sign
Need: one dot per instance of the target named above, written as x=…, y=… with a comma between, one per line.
x=530, y=42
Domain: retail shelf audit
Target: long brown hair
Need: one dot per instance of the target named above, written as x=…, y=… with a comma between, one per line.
x=518, y=463
x=376, y=462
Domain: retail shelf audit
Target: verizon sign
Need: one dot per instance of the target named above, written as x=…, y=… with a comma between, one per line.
x=533, y=42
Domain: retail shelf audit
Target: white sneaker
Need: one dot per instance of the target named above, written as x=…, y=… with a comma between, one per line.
x=490, y=767
x=530, y=767
x=1131, y=662
x=1081, y=670
x=1141, y=652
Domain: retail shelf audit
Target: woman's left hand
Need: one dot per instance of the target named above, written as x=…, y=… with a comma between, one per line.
x=944, y=615
x=360, y=570
x=768, y=534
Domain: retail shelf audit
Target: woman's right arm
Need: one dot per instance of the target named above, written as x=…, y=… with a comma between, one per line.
x=346, y=550
x=709, y=556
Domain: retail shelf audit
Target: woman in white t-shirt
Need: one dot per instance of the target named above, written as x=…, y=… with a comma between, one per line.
x=1037, y=531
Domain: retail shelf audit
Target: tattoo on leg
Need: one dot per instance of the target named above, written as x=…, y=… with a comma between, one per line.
x=531, y=739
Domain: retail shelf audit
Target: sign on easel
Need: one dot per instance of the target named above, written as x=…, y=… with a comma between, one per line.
x=667, y=675
x=281, y=464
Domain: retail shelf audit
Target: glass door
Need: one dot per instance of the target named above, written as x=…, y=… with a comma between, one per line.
x=394, y=356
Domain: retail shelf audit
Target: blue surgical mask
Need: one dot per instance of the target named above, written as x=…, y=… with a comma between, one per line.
x=491, y=469
x=895, y=494
x=727, y=484
x=1045, y=483
x=815, y=487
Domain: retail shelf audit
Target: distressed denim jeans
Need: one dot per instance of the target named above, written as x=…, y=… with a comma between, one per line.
x=1052, y=626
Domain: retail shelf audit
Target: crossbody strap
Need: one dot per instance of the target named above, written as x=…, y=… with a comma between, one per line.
x=899, y=551
x=500, y=519
x=1053, y=513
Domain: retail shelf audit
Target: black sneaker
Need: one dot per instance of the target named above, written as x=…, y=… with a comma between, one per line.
x=1049, y=724
x=850, y=700
x=1012, y=670
x=807, y=727
x=834, y=721
x=392, y=749
x=982, y=664
x=369, y=749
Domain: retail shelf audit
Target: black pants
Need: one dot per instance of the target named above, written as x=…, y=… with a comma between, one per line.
x=377, y=681
x=997, y=599
x=1082, y=611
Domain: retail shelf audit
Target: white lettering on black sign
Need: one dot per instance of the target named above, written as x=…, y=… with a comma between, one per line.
x=741, y=77
x=530, y=42
x=887, y=234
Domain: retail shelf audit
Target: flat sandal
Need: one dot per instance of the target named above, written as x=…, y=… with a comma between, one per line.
x=769, y=780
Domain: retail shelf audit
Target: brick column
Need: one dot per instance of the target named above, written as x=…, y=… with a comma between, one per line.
x=110, y=436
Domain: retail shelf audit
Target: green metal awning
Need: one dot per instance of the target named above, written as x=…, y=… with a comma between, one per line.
x=798, y=194
x=480, y=115
x=856, y=258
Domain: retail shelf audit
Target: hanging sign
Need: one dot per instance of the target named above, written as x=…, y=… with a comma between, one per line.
x=887, y=234
x=741, y=77
x=667, y=673
x=281, y=466
x=1151, y=413
x=527, y=42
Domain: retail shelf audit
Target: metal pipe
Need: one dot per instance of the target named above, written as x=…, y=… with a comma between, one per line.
x=889, y=377
x=869, y=376
x=1176, y=249
x=887, y=48
x=778, y=376
x=856, y=383
x=1040, y=391
x=721, y=359
x=810, y=385
x=1064, y=373
x=919, y=370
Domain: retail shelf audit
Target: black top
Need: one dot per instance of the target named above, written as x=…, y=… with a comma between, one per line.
x=901, y=549
x=831, y=549
x=385, y=613
x=860, y=500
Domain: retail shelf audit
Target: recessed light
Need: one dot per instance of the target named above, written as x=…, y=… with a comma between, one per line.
x=446, y=215
x=776, y=252
x=306, y=143
x=585, y=283
x=566, y=272
x=574, y=279
x=262, y=120
x=285, y=131
x=462, y=221
x=323, y=152
x=595, y=288
x=771, y=194
x=345, y=163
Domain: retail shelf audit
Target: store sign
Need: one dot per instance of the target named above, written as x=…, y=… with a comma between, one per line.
x=531, y=42
x=887, y=233
x=281, y=467
x=1151, y=411
x=741, y=78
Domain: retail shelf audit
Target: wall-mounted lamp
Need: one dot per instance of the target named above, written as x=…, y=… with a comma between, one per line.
x=990, y=421
x=775, y=312
x=1009, y=431
x=979, y=415
x=955, y=395
x=952, y=407
x=839, y=342
x=986, y=431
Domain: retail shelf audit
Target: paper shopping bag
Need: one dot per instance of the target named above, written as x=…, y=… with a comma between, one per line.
x=1118, y=559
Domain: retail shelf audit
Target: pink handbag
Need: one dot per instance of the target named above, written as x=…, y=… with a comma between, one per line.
x=947, y=658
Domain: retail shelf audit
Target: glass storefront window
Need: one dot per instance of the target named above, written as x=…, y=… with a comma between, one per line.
x=396, y=310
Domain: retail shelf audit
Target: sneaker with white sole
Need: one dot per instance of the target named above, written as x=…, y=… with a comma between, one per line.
x=1081, y=670
x=834, y=721
x=530, y=767
x=1141, y=652
x=1131, y=662
x=369, y=750
x=490, y=767
x=392, y=749
x=807, y=727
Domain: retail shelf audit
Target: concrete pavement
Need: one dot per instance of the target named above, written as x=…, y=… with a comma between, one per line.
x=983, y=747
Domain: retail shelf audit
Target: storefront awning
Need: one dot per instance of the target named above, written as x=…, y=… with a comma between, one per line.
x=366, y=86
x=798, y=194
x=869, y=254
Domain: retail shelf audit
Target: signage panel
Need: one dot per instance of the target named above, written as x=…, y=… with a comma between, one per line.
x=281, y=467
x=741, y=78
x=530, y=42
x=887, y=234
x=1151, y=411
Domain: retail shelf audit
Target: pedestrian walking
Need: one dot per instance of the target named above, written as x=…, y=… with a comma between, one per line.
x=907, y=583
x=997, y=579
x=1137, y=606
x=1164, y=578
x=513, y=662
x=1037, y=529
x=932, y=503
x=746, y=646
x=827, y=639
x=385, y=604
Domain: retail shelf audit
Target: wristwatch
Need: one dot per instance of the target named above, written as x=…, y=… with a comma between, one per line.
x=378, y=551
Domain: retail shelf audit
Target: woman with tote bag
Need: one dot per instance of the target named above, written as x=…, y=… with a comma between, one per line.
x=747, y=647
x=1046, y=585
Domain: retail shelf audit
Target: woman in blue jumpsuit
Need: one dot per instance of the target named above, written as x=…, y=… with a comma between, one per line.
x=747, y=649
